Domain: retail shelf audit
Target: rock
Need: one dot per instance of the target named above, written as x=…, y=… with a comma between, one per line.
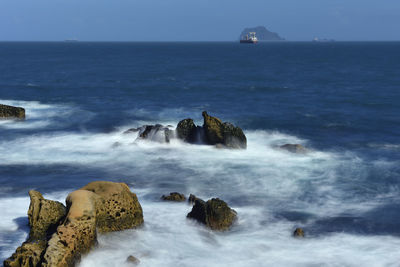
x=157, y=133
x=28, y=254
x=174, y=196
x=226, y=133
x=44, y=216
x=96, y=207
x=120, y=208
x=294, y=148
x=12, y=112
x=214, y=213
x=186, y=130
x=133, y=260
x=192, y=199
x=234, y=136
x=299, y=233
x=262, y=34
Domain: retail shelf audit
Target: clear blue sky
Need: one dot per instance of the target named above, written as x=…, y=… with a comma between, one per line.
x=197, y=20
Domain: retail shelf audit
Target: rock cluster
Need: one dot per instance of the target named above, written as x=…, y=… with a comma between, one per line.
x=60, y=235
x=174, y=196
x=11, y=112
x=213, y=132
x=214, y=213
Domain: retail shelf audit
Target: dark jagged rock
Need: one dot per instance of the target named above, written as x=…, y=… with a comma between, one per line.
x=132, y=260
x=11, y=112
x=158, y=133
x=214, y=213
x=299, y=233
x=44, y=217
x=192, y=198
x=294, y=148
x=226, y=133
x=186, y=130
x=262, y=34
x=98, y=206
x=174, y=196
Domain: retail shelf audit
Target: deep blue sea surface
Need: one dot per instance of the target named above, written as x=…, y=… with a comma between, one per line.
x=340, y=100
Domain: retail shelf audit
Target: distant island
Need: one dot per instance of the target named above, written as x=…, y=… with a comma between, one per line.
x=262, y=34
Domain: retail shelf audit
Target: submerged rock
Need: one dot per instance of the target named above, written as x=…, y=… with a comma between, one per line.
x=214, y=213
x=11, y=112
x=299, y=233
x=158, y=133
x=174, y=196
x=294, y=148
x=131, y=130
x=132, y=260
x=98, y=206
x=217, y=132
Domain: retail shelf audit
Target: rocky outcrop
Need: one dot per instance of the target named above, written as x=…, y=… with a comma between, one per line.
x=174, y=196
x=44, y=217
x=158, y=133
x=226, y=133
x=294, y=148
x=11, y=112
x=299, y=233
x=192, y=199
x=96, y=207
x=214, y=213
x=186, y=130
x=262, y=34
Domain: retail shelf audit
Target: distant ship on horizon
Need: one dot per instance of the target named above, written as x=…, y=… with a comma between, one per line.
x=249, y=39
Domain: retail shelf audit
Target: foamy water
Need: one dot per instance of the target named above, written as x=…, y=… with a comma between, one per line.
x=273, y=192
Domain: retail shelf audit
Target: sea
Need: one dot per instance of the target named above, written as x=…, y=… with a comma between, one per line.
x=340, y=100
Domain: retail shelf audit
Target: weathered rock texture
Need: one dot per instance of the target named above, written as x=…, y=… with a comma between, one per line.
x=11, y=112
x=217, y=132
x=214, y=213
x=174, y=196
x=294, y=148
x=44, y=217
x=186, y=130
x=98, y=206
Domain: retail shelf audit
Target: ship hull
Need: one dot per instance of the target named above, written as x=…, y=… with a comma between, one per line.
x=248, y=42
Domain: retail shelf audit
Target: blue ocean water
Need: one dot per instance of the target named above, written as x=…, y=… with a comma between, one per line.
x=340, y=100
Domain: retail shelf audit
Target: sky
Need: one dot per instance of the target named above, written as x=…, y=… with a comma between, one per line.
x=197, y=20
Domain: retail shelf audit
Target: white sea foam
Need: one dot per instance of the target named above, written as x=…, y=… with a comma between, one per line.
x=259, y=183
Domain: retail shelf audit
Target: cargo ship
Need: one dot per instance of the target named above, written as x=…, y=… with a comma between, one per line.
x=249, y=39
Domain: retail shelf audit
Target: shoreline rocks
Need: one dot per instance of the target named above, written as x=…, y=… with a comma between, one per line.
x=174, y=196
x=10, y=112
x=215, y=214
x=97, y=207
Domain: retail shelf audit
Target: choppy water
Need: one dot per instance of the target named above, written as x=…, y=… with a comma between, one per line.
x=341, y=100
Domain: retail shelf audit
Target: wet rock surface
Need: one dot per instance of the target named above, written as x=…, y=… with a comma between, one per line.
x=174, y=196
x=298, y=233
x=294, y=148
x=10, y=112
x=214, y=213
x=96, y=207
x=157, y=133
x=186, y=130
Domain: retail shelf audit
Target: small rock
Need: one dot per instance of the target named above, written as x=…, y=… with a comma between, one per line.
x=299, y=233
x=186, y=130
x=174, y=196
x=192, y=199
x=133, y=260
x=11, y=112
x=294, y=148
x=214, y=213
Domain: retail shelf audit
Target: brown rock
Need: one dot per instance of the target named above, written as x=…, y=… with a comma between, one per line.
x=174, y=196
x=214, y=213
x=27, y=255
x=133, y=260
x=294, y=148
x=11, y=112
x=299, y=233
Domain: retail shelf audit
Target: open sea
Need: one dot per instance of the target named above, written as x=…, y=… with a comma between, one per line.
x=340, y=100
